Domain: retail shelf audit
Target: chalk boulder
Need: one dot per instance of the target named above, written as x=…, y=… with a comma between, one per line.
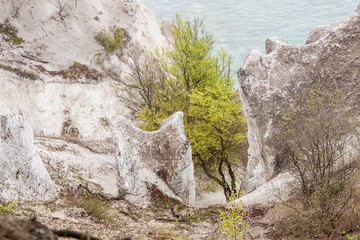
x=161, y=158
x=22, y=173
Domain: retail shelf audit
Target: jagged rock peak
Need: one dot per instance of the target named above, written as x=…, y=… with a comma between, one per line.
x=22, y=173
x=330, y=58
x=161, y=158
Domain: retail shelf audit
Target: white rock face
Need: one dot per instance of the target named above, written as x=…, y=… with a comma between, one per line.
x=64, y=31
x=161, y=158
x=22, y=173
x=330, y=59
x=56, y=35
x=71, y=164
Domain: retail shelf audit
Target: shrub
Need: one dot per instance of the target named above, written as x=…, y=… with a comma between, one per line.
x=233, y=225
x=10, y=34
x=111, y=40
x=95, y=206
x=68, y=129
x=353, y=236
x=8, y=208
x=318, y=139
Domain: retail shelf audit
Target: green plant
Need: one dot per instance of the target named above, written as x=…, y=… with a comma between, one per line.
x=352, y=237
x=10, y=34
x=192, y=79
x=210, y=187
x=233, y=224
x=96, y=207
x=8, y=208
x=110, y=40
x=168, y=232
x=216, y=129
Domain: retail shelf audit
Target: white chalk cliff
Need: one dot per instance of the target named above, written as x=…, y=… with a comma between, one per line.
x=330, y=59
x=58, y=80
x=57, y=36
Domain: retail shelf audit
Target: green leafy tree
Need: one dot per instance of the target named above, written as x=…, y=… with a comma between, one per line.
x=191, y=79
x=217, y=130
x=191, y=61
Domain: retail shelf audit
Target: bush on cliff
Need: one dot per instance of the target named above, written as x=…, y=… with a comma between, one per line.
x=110, y=40
x=319, y=139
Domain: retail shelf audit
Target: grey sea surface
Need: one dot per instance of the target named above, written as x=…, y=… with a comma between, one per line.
x=243, y=25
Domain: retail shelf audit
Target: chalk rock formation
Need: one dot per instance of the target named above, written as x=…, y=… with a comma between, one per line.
x=22, y=173
x=64, y=31
x=330, y=58
x=56, y=76
x=161, y=158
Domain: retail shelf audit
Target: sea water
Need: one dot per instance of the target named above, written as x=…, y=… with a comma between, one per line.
x=243, y=25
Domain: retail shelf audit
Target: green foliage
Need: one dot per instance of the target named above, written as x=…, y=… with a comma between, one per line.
x=353, y=236
x=191, y=60
x=216, y=130
x=110, y=40
x=210, y=187
x=191, y=79
x=233, y=225
x=10, y=34
x=7, y=208
x=215, y=116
